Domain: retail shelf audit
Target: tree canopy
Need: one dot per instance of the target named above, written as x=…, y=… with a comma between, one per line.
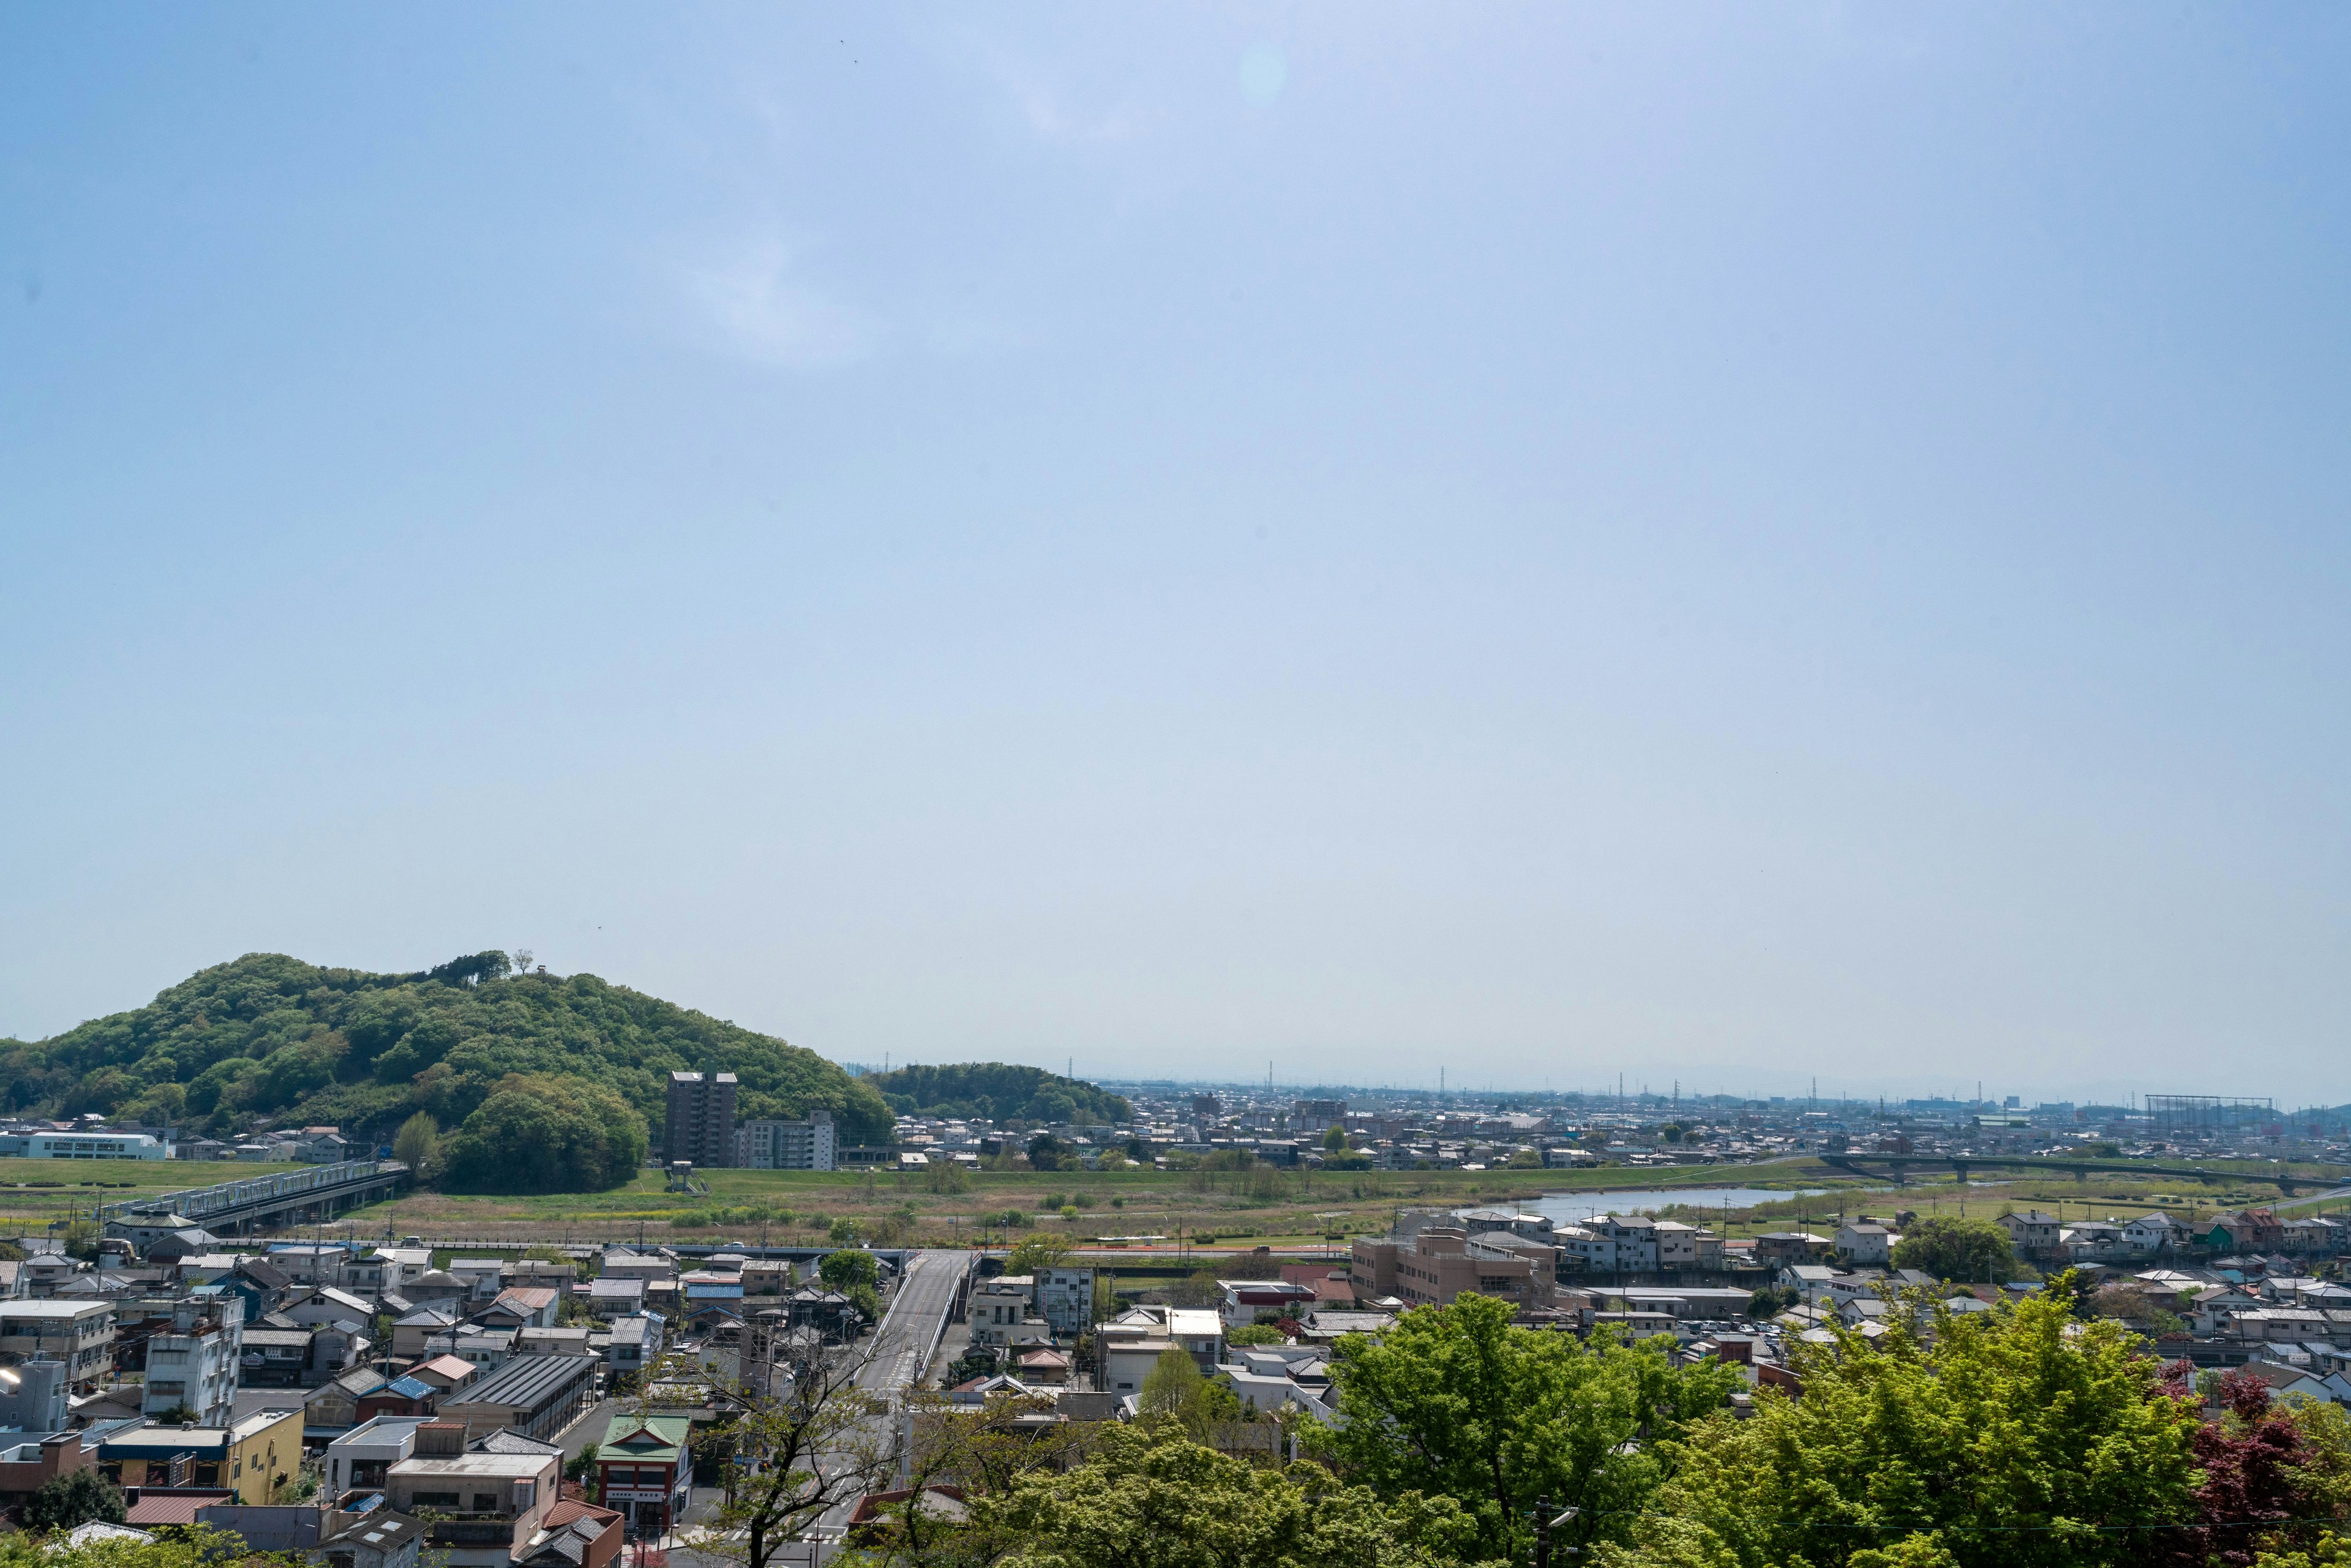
x=540, y=1132
x=1155, y=1499
x=1977, y=1250
x=2015, y=1438
x=270, y=1035
x=1455, y=1401
x=1000, y=1091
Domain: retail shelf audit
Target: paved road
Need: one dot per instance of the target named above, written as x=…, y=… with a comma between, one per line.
x=591, y=1428
x=901, y=1346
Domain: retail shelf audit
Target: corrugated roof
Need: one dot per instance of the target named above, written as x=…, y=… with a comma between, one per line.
x=172, y=1507
x=525, y=1381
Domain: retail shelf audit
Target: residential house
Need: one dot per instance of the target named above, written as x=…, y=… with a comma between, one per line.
x=368, y=1533
x=409, y=1332
x=2154, y=1235
x=633, y=1344
x=575, y=1534
x=1001, y=1309
x=321, y=1304
x=337, y=1405
x=484, y=1348
x=446, y=1373
x=2093, y=1242
x=1612, y=1243
x=482, y=1507
x=552, y=1342
x=2031, y=1234
x=1792, y=1246
x=274, y=1357
x=359, y=1459
x=410, y=1397
x=610, y=1296
x=1865, y=1241
x=1133, y=1342
x=438, y=1287
x=1264, y=1301
x=482, y=1277
x=2246, y=1231
x=528, y=1306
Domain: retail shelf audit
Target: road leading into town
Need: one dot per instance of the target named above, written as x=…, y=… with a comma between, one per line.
x=918, y=1313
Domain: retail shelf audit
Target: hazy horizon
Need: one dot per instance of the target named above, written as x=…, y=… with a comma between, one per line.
x=1734, y=543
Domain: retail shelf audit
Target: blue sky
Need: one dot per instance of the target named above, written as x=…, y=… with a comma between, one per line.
x=1720, y=543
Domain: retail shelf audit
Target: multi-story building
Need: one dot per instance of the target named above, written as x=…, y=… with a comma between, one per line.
x=698, y=1123
x=361, y=1459
x=79, y=1333
x=787, y=1146
x=484, y=1506
x=1310, y=1114
x=2031, y=1234
x=36, y=1400
x=252, y=1458
x=1442, y=1261
x=193, y=1365
x=1003, y=1313
x=1613, y=1243
x=1065, y=1299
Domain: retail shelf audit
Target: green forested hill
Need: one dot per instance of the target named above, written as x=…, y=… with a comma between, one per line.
x=269, y=1036
x=1002, y=1092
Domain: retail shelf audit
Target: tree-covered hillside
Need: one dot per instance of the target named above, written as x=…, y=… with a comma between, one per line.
x=994, y=1090
x=270, y=1036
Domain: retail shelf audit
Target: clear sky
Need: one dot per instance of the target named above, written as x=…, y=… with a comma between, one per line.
x=1717, y=542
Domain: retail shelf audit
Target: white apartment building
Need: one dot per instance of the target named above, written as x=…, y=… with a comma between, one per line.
x=194, y=1362
x=807, y=1145
x=79, y=1333
x=1065, y=1299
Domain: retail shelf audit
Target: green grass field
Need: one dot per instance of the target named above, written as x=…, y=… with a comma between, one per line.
x=1292, y=1210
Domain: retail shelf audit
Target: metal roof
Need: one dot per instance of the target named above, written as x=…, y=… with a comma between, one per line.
x=526, y=1382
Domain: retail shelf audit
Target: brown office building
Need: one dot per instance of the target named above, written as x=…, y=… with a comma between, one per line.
x=699, y=1124
x=1442, y=1261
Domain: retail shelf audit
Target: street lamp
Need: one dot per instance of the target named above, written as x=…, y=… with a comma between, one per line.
x=1545, y=1524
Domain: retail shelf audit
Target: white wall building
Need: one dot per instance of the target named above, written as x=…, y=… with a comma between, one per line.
x=807, y=1145
x=194, y=1362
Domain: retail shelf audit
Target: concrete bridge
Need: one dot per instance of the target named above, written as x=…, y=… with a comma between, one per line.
x=302, y=1195
x=1899, y=1167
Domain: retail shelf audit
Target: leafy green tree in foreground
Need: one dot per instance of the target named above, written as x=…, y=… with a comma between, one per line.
x=77, y=1498
x=547, y=1133
x=1173, y=1390
x=184, y=1546
x=2015, y=1438
x=1152, y=1499
x=1455, y=1401
x=1974, y=1250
